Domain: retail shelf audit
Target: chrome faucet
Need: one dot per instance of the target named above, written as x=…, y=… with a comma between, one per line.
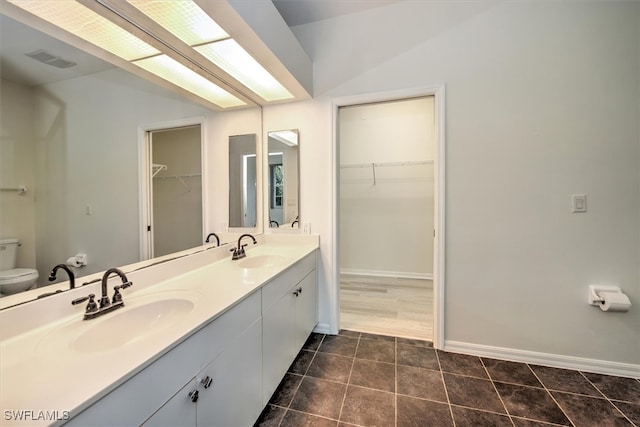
x=94, y=310
x=214, y=235
x=72, y=278
x=239, y=252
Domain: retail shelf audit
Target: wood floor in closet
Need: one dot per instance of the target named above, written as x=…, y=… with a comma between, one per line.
x=387, y=306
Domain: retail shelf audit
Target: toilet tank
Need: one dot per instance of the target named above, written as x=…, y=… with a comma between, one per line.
x=8, y=253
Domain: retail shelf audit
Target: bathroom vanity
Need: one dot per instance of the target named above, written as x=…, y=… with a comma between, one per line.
x=203, y=340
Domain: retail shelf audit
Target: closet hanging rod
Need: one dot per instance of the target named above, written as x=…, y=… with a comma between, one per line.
x=20, y=189
x=383, y=164
x=193, y=175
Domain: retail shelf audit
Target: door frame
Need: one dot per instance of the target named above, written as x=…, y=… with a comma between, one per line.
x=438, y=92
x=145, y=186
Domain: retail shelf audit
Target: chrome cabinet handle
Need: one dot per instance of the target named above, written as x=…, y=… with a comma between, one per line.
x=194, y=396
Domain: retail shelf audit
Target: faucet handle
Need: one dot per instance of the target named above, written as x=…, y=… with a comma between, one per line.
x=92, y=306
x=82, y=299
x=117, y=296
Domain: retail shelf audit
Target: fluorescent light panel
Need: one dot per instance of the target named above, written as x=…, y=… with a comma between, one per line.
x=185, y=20
x=232, y=58
x=176, y=73
x=88, y=25
x=83, y=22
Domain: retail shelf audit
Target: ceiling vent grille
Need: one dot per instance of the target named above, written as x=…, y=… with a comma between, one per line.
x=49, y=59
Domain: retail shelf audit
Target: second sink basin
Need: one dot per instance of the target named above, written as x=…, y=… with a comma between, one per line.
x=261, y=261
x=138, y=319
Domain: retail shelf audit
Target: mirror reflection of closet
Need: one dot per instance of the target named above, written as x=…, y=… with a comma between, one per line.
x=242, y=181
x=284, y=205
x=176, y=189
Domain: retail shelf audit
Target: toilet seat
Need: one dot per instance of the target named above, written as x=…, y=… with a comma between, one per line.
x=17, y=275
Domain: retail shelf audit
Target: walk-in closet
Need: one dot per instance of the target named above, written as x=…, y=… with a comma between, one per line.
x=386, y=217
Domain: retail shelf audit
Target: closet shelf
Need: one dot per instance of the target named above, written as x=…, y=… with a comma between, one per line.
x=385, y=164
x=374, y=165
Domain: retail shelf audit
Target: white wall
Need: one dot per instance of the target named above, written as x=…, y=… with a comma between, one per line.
x=394, y=214
x=87, y=154
x=17, y=212
x=542, y=102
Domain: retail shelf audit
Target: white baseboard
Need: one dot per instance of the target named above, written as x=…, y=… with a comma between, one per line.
x=380, y=273
x=546, y=359
x=324, y=328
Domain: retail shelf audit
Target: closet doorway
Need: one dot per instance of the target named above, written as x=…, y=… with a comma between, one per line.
x=386, y=217
x=174, y=195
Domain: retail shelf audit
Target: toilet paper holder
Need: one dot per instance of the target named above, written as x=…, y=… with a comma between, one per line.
x=594, y=293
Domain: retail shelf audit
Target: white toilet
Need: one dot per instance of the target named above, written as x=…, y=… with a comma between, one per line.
x=12, y=279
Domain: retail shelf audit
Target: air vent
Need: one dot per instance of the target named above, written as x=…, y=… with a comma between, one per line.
x=49, y=59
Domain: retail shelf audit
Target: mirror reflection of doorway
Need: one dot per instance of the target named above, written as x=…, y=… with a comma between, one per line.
x=276, y=188
x=242, y=181
x=386, y=217
x=249, y=195
x=176, y=189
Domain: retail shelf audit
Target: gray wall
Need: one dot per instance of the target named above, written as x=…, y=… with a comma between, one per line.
x=542, y=101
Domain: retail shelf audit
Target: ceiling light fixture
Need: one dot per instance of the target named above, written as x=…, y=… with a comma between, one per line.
x=81, y=21
x=188, y=22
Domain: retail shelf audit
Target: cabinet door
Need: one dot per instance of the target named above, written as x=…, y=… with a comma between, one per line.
x=306, y=309
x=278, y=342
x=230, y=386
x=180, y=410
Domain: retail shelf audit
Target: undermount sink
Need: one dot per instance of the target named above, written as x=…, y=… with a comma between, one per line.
x=261, y=261
x=138, y=320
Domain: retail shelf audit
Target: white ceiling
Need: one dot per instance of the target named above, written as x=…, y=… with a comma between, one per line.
x=298, y=12
x=17, y=39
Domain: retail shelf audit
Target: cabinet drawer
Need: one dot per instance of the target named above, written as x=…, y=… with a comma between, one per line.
x=276, y=288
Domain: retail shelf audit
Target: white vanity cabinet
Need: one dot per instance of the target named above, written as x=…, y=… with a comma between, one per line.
x=227, y=351
x=289, y=314
x=225, y=389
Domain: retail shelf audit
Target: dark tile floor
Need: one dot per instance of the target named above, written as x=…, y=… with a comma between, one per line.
x=371, y=380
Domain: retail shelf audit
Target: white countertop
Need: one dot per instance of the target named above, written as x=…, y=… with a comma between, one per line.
x=39, y=369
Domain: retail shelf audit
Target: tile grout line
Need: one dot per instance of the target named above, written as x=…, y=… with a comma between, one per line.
x=607, y=397
x=315, y=352
x=550, y=395
x=344, y=398
x=395, y=388
x=444, y=385
x=493, y=384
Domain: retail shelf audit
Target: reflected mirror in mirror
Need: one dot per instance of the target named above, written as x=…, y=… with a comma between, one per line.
x=70, y=136
x=242, y=181
x=284, y=196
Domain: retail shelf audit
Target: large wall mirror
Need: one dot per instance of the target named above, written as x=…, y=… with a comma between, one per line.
x=284, y=189
x=70, y=126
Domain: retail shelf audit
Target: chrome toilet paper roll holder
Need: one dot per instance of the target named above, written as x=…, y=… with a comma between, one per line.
x=594, y=293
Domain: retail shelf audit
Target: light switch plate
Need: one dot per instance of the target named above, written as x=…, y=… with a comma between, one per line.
x=578, y=203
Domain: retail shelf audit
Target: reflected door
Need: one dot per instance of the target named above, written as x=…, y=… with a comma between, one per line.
x=176, y=189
